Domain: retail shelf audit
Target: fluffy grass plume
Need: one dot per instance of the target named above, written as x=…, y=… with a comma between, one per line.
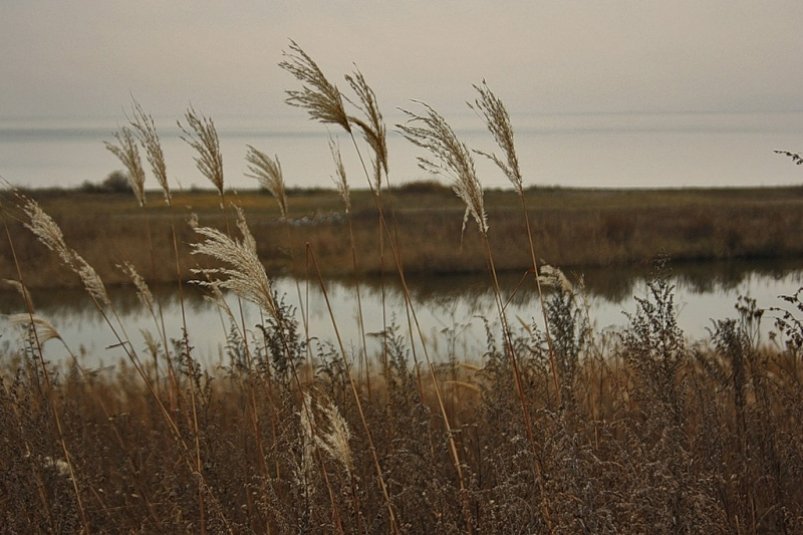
x=497, y=119
x=450, y=158
x=44, y=329
x=245, y=275
x=50, y=235
x=149, y=139
x=321, y=98
x=268, y=172
x=201, y=134
x=341, y=181
x=373, y=126
x=127, y=152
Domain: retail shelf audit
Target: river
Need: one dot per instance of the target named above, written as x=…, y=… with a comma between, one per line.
x=448, y=308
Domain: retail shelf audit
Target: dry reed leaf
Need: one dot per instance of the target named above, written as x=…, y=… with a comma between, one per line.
x=127, y=152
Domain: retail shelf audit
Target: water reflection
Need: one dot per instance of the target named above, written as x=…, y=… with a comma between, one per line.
x=447, y=307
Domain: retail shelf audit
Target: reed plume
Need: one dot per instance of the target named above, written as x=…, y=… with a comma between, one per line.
x=143, y=291
x=127, y=152
x=497, y=119
x=341, y=180
x=452, y=159
x=201, y=134
x=335, y=442
x=149, y=139
x=23, y=291
x=373, y=126
x=245, y=275
x=321, y=98
x=44, y=329
x=50, y=235
x=268, y=172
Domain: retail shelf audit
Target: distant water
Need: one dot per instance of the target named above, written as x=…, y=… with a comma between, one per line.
x=448, y=308
x=579, y=150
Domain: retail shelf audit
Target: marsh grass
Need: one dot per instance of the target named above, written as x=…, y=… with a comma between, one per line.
x=644, y=431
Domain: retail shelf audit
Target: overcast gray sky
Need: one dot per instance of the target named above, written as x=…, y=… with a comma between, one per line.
x=84, y=58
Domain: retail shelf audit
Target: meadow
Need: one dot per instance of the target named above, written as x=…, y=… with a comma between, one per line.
x=558, y=429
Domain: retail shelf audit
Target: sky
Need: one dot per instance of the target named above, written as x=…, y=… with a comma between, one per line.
x=88, y=58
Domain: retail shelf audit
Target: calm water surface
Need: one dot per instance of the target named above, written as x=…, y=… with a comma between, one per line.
x=448, y=308
x=572, y=150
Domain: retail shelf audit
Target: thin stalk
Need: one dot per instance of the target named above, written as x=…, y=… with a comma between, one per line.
x=48, y=386
x=383, y=486
x=552, y=361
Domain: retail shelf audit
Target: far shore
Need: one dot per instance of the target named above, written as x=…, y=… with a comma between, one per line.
x=571, y=228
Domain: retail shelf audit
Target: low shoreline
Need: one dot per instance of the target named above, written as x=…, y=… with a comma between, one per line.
x=571, y=228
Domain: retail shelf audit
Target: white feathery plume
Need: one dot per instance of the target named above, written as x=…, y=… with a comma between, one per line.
x=149, y=139
x=268, y=172
x=127, y=152
x=451, y=158
x=552, y=276
x=245, y=274
x=50, y=235
x=201, y=135
x=23, y=291
x=322, y=100
x=44, y=329
x=341, y=182
x=143, y=291
x=497, y=120
x=335, y=442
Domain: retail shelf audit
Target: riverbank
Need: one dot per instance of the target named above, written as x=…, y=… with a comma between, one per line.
x=571, y=228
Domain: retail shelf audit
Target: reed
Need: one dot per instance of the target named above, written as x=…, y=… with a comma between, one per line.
x=649, y=432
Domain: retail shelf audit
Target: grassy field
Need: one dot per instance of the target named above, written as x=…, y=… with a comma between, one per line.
x=553, y=428
x=571, y=227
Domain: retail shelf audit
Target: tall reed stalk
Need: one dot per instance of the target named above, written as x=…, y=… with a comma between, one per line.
x=324, y=102
x=48, y=386
x=497, y=119
x=451, y=158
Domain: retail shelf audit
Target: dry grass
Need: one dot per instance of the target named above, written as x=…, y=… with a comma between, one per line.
x=628, y=432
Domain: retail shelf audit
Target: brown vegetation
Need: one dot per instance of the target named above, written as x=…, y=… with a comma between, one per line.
x=570, y=228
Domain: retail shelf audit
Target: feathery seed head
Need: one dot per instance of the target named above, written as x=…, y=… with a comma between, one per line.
x=143, y=291
x=244, y=274
x=92, y=281
x=497, y=120
x=268, y=171
x=335, y=442
x=373, y=127
x=44, y=329
x=149, y=139
x=50, y=235
x=201, y=135
x=318, y=96
x=23, y=291
x=449, y=157
x=127, y=152
x=552, y=276
x=341, y=182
